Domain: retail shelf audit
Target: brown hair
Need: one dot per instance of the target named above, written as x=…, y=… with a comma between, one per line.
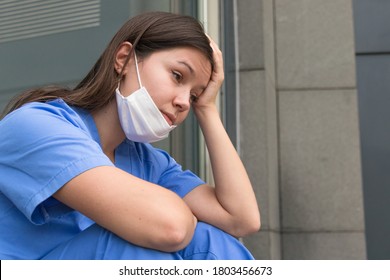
x=147, y=33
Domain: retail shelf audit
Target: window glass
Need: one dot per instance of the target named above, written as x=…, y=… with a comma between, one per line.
x=57, y=42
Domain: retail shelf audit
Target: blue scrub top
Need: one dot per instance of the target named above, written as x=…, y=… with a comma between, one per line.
x=42, y=147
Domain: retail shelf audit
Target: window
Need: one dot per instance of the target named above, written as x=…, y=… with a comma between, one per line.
x=57, y=42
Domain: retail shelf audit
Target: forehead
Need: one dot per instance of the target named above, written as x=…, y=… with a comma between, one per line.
x=191, y=58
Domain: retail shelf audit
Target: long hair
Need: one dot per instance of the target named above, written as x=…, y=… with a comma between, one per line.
x=147, y=33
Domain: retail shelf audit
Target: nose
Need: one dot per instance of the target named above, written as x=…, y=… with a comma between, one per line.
x=182, y=101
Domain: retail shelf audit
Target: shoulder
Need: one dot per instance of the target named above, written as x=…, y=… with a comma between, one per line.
x=38, y=111
x=46, y=130
x=43, y=146
x=38, y=119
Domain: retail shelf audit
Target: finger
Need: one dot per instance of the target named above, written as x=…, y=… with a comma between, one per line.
x=218, y=71
x=217, y=53
x=213, y=44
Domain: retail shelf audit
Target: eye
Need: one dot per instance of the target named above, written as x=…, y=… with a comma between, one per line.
x=177, y=76
x=193, y=97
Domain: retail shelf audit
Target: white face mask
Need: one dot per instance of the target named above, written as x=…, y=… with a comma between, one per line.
x=139, y=116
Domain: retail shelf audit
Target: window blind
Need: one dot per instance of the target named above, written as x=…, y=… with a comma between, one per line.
x=33, y=18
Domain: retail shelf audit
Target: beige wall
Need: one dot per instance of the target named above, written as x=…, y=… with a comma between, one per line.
x=299, y=127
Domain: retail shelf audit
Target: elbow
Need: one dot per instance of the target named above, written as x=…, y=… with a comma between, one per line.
x=255, y=223
x=177, y=239
x=248, y=227
x=254, y=226
x=176, y=236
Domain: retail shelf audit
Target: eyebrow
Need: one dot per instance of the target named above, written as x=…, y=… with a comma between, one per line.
x=202, y=88
x=187, y=65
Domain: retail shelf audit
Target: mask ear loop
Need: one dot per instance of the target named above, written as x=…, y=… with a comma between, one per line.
x=136, y=68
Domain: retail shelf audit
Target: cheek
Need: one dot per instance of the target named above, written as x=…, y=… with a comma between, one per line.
x=160, y=89
x=159, y=93
x=128, y=86
x=182, y=116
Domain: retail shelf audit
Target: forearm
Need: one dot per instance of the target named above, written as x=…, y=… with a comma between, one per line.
x=233, y=188
x=231, y=205
x=138, y=211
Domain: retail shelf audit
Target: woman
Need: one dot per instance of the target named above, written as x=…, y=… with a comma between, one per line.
x=79, y=180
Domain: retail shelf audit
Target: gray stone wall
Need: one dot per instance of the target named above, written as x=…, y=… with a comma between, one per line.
x=299, y=127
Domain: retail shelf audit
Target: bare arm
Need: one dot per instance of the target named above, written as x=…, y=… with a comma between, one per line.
x=231, y=205
x=136, y=210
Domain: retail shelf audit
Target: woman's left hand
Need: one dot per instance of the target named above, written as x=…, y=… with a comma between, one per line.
x=208, y=97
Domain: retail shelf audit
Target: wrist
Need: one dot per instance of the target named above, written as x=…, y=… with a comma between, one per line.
x=205, y=110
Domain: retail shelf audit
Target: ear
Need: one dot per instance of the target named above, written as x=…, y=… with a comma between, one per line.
x=121, y=57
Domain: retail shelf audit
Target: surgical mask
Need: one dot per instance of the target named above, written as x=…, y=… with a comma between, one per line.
x=139, y=116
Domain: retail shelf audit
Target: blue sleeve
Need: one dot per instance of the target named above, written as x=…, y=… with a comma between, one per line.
x=176, y=179
x=43, y=147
